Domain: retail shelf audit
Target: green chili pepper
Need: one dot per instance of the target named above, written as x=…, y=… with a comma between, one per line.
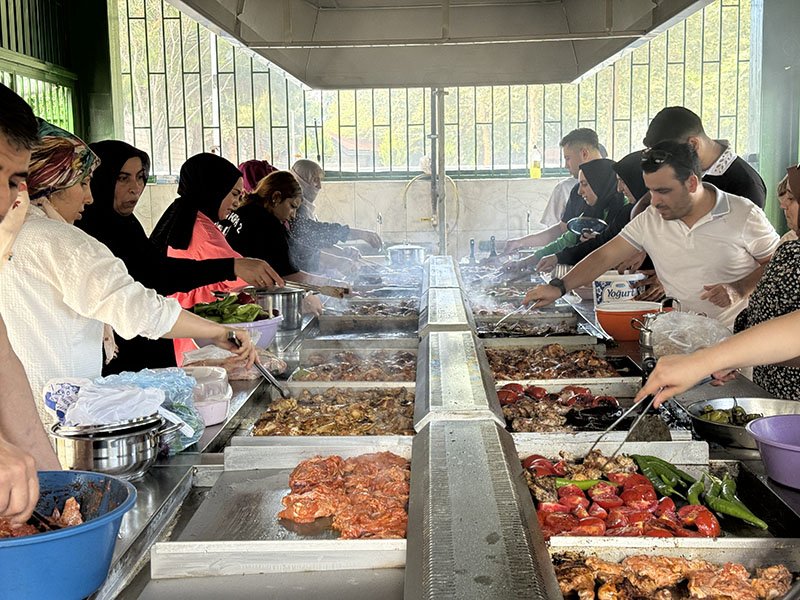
x=734, y=509
x=583, y=484
x=728, y=490
x=648, y=470
x=682, y=475
x=694, y=492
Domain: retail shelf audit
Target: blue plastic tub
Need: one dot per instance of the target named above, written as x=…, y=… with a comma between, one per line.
x=73, y=562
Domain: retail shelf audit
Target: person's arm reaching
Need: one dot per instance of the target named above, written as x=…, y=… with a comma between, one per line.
x=19, y=421
x=586, y=271
x=771, y=342
x=540, y=238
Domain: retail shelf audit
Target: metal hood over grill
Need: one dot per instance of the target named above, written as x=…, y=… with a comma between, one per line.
x=408, y=43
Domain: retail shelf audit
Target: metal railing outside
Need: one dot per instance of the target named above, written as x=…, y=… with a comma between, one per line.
x=186, y=90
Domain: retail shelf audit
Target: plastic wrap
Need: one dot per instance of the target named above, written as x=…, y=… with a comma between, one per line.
x=103, y=404
x=178, y=388
x=212, y=356
x=682, y=332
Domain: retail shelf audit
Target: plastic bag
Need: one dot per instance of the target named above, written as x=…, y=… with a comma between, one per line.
x=683, y=332
x=178, y=406
x=60, y=393
x=102, y=404
x=212, y=356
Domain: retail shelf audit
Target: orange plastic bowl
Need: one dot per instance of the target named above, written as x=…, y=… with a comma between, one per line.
x=615, y=317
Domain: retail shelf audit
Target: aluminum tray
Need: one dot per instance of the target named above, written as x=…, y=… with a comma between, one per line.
x=234, y=531
x=453, y=381
x=444, y=309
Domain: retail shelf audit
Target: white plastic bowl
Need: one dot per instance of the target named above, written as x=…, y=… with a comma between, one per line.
x=266, y=327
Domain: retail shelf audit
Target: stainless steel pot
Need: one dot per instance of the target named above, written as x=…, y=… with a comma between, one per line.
x=406, y=255
x=288, y=302
x=125, y=450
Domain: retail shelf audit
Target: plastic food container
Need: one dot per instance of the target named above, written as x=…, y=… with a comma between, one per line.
x=613, y=287
x=778, y=439
x=212, y=393
x=266, y=327
x=72, y=562
x=615, y=317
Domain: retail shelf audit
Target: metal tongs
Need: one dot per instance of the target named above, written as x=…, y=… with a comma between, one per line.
x=42, y=523
x=261, y=369
x=519, y=311
x=647, y=402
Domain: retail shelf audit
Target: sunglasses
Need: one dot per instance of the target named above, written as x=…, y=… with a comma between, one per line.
x=655, y=156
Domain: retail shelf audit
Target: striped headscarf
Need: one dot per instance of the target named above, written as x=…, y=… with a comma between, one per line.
x=60, y=161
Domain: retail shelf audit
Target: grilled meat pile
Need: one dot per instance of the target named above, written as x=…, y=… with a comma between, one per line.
x=643, y=577
x=365, y=495
x=404, y=308
x=384, y=365
x=338, y=411
x=548, y=362
x=525, y=328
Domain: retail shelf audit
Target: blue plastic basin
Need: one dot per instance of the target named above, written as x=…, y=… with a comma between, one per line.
x=72, y=562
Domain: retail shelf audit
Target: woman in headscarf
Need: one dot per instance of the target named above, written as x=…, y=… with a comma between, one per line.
x=598, y=188
x=629, y=182
x=207, y=189
x=254, y=171
x=778, y=293
x=310, y=236
x=117, y=184
x=61, y=284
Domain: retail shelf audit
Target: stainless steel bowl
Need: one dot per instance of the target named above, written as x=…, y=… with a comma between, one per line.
x=733, y=435
x=406, y=255
x=125, y=453
x=287, y=301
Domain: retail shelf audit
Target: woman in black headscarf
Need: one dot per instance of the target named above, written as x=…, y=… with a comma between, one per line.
x=628, y=182
x=117, y=184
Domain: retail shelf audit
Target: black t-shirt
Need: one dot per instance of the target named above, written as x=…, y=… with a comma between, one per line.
x=576, y=205
x=741, y=179
x=255, y=233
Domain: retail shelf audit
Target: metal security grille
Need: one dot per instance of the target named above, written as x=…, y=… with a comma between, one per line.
x=50, y=101
x=185, y=90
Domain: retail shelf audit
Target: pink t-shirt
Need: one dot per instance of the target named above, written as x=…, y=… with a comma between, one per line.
x=207, y=242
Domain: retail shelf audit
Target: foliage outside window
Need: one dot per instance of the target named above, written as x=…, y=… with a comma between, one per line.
x=185, y=90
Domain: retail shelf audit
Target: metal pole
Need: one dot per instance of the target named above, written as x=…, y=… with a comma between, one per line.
x=441, y=194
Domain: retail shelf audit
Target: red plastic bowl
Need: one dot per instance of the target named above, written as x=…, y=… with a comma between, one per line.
x=615, y=317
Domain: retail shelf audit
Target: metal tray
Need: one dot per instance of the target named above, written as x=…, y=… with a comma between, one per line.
x=234, y=530
x=333, y=324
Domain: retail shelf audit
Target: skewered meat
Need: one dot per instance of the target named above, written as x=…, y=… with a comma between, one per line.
x=382, y=365
x=366, y=495
x=339, y=411
x=548, y=362
x=666, y=578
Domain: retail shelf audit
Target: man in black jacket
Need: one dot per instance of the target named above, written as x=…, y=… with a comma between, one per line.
x=721, y=167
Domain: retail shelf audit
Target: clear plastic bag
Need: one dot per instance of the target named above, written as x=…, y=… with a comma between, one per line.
x=104, y=404
x=683, y=332
x=178, y=404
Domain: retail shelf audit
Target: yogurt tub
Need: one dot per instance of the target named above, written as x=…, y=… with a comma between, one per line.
x=613, y=287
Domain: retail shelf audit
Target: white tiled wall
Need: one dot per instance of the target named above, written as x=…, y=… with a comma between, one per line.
x=476, y=208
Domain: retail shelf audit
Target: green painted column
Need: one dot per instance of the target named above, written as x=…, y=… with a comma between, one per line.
x=775, y=93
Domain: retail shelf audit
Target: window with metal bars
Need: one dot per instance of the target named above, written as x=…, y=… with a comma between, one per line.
x=185, y=90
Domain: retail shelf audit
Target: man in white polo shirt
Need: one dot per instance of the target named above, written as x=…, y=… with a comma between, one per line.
x=708, y=247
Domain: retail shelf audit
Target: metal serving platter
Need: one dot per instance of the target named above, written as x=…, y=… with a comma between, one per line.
x=329, y=348
x=472, y=528
x=235, y=531
x=444, y=309
x=313, y=438
x=733, y=435
x=453, y=381
x=623, y=391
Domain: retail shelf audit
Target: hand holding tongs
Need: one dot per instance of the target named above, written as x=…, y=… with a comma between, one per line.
x=261, y=369
x=647, y=402
x=520, y=310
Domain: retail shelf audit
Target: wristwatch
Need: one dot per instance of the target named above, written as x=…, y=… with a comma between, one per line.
x=556, y=282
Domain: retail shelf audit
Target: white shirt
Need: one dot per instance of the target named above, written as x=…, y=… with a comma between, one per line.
x=56, y=292
x=558, y=201
x=722, y=247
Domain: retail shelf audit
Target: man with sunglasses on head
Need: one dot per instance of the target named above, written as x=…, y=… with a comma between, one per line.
x=708, y=246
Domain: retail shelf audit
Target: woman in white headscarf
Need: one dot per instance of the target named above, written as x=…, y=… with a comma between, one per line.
x=310, y=236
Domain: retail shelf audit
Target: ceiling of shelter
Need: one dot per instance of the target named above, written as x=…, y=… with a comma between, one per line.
x=407, y=43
